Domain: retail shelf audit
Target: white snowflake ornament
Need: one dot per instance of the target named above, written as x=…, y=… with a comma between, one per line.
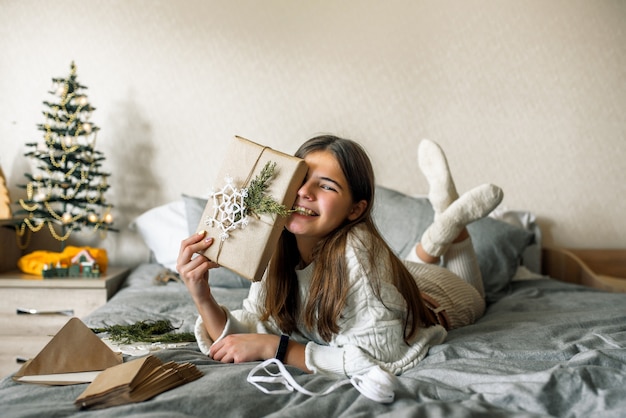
x=229, y=209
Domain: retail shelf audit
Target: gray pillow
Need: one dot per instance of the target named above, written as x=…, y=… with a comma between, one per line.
x=499, y=246
x=194, y=206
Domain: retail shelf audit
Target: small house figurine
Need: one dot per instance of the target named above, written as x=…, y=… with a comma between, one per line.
x=86, y=265
x=82, y=264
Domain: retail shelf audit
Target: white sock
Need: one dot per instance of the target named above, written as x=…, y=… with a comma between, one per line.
x=434, y=165
x=413, y=257
x=461, y=260
x=471, y=206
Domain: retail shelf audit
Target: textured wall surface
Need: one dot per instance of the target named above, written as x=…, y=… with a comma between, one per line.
x=530, y=95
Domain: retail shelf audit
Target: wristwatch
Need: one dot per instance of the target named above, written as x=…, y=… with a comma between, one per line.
x=282, y=347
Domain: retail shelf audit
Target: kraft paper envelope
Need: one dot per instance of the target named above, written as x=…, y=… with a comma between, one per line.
x=247, y=250
x=74, y=355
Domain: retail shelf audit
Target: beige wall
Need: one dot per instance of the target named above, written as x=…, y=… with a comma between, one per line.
x=530, y=95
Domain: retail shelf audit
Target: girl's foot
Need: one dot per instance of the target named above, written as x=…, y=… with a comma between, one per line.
x=434, y=165
x=471, y=206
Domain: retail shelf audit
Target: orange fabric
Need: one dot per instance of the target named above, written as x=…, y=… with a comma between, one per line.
x=33, y=263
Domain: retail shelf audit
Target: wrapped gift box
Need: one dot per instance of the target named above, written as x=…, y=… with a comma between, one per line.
x=246, y=244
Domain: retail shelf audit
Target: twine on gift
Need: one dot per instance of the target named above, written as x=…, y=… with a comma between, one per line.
x=245, y=183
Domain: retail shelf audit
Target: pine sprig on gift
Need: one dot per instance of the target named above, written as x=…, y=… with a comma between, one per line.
x=257, y=201
x=145, y=331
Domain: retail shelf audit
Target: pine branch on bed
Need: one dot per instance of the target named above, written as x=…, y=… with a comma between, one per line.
x=145, y=331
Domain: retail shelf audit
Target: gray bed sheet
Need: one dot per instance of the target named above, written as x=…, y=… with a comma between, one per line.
x=547, y=348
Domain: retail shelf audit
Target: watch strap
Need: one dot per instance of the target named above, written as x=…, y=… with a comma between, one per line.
x=282, y=347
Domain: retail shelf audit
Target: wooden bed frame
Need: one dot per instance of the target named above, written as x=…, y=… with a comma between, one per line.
x=601, y=269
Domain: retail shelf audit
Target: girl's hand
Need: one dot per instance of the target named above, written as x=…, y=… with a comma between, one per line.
x=193, y=267
x=239, y=348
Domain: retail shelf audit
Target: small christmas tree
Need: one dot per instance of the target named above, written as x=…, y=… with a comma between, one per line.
x=66, y=189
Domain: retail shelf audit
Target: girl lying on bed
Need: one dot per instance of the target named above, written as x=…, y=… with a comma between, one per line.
x=335, y=299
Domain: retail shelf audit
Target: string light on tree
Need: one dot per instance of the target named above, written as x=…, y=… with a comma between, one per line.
x=66, y=191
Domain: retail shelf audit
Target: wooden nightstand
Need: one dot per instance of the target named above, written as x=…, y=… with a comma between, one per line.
x=57, y=300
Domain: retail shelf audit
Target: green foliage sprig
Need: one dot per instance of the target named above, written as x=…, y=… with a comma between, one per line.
x=146, y=331
x=257, y=201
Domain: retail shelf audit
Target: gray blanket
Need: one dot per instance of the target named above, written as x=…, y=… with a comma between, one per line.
x=545, y=349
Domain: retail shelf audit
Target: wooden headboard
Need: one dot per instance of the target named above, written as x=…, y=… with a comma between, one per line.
x=601, y=269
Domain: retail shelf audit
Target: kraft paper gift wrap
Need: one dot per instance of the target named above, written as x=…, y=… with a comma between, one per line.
x=247, y=250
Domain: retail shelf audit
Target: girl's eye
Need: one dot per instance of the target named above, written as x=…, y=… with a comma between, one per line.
x=327, y=187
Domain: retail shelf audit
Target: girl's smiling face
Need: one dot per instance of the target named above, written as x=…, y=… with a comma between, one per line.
x=323, y=202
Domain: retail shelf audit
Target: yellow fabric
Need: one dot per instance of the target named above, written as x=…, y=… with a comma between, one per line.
x=33, y=263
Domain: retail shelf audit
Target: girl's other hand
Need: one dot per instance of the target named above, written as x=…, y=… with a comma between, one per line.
x=193, y=266
x=240, y=348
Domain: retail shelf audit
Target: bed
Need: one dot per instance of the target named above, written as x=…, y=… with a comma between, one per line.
x=544, y=347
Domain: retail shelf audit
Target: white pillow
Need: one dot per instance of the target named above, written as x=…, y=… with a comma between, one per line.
x=162, y=229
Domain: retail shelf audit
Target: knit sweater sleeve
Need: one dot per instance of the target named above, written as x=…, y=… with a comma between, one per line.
x=241, y=321
x=371, y=328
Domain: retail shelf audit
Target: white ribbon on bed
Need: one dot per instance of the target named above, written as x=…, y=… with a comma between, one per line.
x=376, y=384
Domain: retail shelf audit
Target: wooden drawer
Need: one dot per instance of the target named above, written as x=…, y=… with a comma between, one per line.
x=24, y=347
x=77, y=302
x=81, y=301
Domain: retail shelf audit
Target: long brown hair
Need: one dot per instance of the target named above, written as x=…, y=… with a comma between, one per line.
x=329, y=284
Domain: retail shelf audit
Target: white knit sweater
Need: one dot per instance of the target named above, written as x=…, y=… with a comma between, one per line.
x=371, y=331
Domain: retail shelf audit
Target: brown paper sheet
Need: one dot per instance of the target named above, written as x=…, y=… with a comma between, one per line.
x=247, y=251
x=72, y=352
